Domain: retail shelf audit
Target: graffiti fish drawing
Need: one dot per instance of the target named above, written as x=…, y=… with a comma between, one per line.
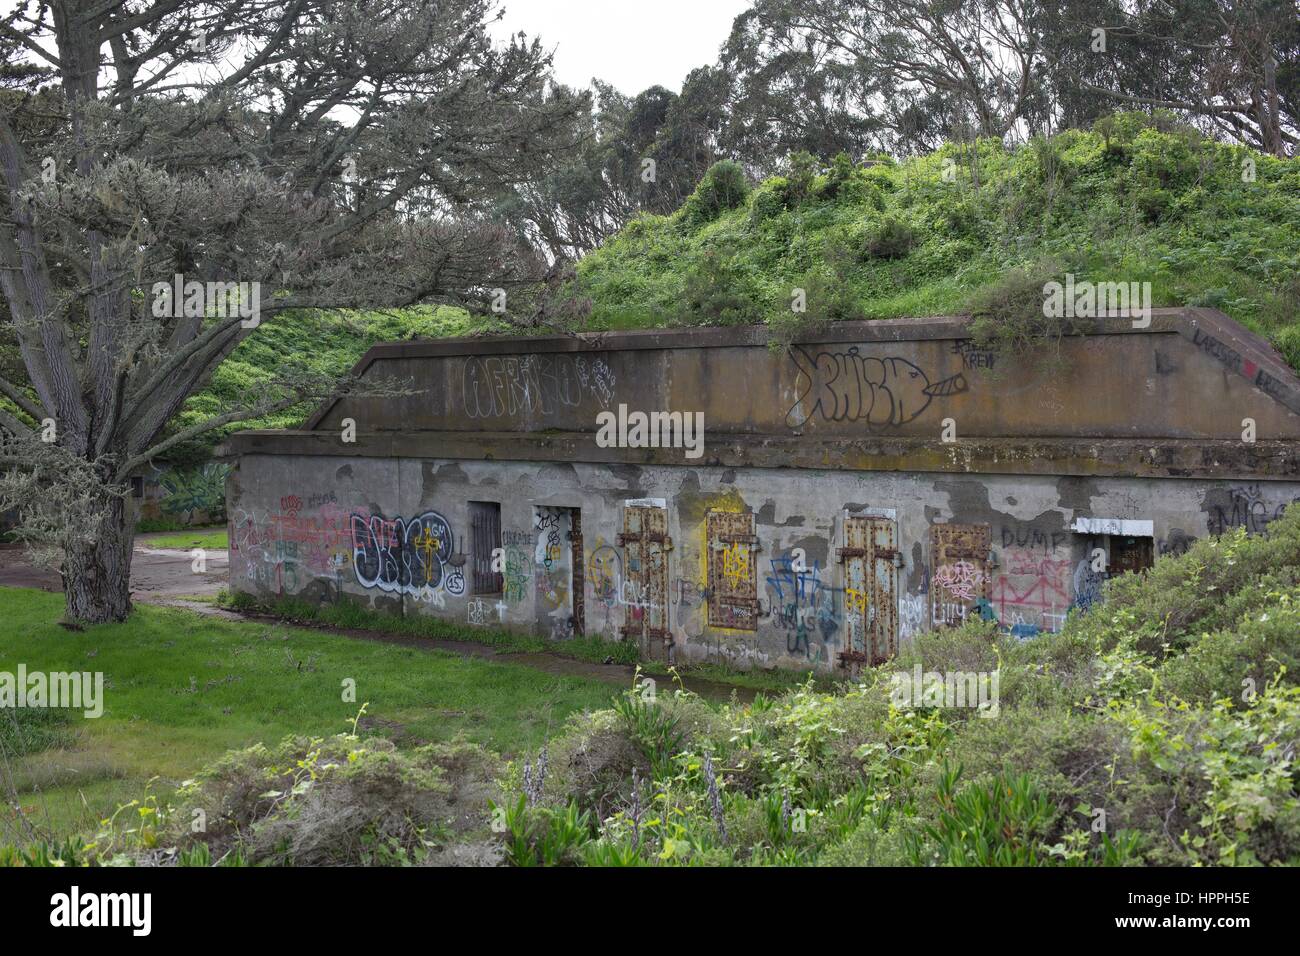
x=845, y=386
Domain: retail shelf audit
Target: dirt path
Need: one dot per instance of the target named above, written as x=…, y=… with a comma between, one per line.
x=157, y=576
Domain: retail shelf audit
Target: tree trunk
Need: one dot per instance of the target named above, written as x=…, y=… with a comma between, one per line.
x=97, y=573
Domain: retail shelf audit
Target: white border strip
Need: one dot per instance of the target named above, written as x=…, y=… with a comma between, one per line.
x=1120, y=526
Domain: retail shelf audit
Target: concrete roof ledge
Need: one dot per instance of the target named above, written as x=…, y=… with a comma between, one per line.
x=1197, y=384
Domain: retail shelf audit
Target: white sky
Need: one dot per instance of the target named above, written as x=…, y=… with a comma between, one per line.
x=632, y=44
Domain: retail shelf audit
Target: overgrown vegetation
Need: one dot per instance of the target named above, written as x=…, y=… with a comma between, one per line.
x=1137, y=198
x=1160, y=728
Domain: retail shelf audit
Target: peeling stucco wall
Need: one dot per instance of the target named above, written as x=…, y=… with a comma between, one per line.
x=390, y=532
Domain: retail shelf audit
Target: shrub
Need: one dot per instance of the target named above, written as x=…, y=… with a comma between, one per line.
x=1007, y=316
x=335, y=801
x=892, y=239
x=724, y=186
x=719, y=291
x=999, y=823
x=769, y=200
x=801, y=177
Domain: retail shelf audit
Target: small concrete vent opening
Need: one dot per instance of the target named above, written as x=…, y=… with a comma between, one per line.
x=832, y=515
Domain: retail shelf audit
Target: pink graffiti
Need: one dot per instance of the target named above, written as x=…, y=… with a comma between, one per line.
x=961, y=579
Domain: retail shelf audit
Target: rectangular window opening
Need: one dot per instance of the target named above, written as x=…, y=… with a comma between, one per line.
x=485, y=544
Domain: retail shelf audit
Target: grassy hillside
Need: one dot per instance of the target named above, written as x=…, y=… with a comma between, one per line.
x=1135, y=199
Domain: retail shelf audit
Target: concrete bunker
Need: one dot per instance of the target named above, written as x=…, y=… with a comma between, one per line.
x=883, y=479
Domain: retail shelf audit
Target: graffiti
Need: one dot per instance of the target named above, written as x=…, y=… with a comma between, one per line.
x=191, y=490
x=1033, y=592
x=1234, y=360
x=1224, y=353
x=846, y=386
x=611, y=589
x=509, y=385
x=605, y=574
x=737, y=653
x=548, y=539
x=1087, y=585
x=1022, y=537
x=404, y=556
x=972, y=356
x=283, y=551
x=735, y=564
x=455, y=581
x=799, y=583
x=803, y=606
x=1241, y=508
x=563, y=628
x=600, y=378
x=911, y=614
x=961, y=580
x=428, y=595
x=518, y=571
x=477, y=612
x=551, y=593
x=690, y=595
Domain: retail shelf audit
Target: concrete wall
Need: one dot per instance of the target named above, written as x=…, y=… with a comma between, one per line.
x=326, y=527
x=852, y=490
x=1192, y=374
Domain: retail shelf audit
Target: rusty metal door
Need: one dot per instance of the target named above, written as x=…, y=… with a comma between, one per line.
x=870, y=589
x=643, y=591
x=959, y=580
x=733, y=578
x=579, y=578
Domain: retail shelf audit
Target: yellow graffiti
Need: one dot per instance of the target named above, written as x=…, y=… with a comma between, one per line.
x=855, y=601
x=735, y=564
x=428, y=543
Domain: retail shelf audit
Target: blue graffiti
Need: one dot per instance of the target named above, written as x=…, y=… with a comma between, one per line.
x=802, y=604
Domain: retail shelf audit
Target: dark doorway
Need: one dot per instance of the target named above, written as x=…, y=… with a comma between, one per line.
x=485, y=542
x=1130, y=554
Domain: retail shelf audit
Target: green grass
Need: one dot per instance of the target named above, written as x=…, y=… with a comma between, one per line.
x=350, y=615
x=592, y=648
x=182, y=689
x=210, y=539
